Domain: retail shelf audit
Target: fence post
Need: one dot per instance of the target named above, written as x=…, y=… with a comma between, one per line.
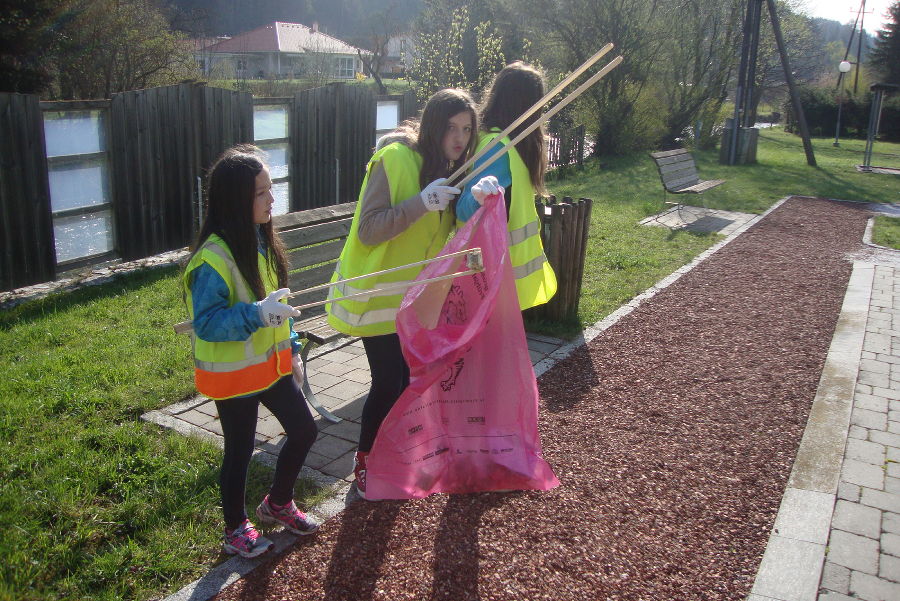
x=565, y=227
x=587, y=205
x=26, y=228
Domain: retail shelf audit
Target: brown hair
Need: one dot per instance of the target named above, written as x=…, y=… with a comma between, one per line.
x=231, y=191
x=514, y=89
x=442, y=105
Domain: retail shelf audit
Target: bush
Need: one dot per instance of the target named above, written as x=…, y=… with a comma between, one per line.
x=820, y=105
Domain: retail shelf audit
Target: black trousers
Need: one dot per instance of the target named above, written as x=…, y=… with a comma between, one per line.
x=238, y=419
x=390, y=377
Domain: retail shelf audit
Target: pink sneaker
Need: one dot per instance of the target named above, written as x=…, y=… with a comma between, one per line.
x=288, y=516
x=359, y=471
x=245, y=541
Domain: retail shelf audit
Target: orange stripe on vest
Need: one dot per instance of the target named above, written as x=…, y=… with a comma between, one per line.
x=225, y=385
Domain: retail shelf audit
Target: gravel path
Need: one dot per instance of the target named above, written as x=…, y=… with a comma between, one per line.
x=673, y=434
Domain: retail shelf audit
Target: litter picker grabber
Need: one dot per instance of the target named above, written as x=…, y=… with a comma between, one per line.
x=544, y=118
x=474, y=264
x=531, y=110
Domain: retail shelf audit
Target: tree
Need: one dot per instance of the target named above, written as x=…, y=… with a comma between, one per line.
x=696, y=76
x=382, y=27
x=109, y=46
x=27, y=32
x=886, y=55
x=570, y=31
x=438, y=59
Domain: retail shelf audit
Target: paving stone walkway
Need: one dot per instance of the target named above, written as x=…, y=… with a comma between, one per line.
x=863, y=560
x=339, y=376
x=837, y=533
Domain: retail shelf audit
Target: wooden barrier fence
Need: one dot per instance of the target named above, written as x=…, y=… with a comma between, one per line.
x=159, y=142
x=566, y=149
x=564, y=233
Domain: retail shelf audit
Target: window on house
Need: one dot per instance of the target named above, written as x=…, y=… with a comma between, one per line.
x=345, y=68
x=241, y=65
x=201, y=63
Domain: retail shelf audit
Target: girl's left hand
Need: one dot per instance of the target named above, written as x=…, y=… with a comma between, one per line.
x=486, y=186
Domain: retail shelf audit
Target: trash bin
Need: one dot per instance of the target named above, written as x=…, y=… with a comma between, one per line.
x=748, y=137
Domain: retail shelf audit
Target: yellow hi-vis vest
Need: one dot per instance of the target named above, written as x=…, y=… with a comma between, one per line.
x=535, y=280
x=375, y=315
x=228, y=369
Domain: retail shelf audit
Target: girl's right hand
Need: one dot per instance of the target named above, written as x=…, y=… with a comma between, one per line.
x=273, y=312
x=436, y=196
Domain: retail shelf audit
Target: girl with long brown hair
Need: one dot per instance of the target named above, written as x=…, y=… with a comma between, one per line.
x=245, y=352
x=403, y=216
x=519, y=174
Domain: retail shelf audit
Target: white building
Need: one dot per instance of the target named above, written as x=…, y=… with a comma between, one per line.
x=279, y=50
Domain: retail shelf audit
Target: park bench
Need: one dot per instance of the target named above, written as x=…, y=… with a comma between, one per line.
x=313, y=240
x=678, y=173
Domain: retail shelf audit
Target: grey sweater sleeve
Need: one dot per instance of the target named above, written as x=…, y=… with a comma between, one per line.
x=379, y=221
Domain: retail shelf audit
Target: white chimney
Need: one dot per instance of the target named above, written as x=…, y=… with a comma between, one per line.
x=315, y=26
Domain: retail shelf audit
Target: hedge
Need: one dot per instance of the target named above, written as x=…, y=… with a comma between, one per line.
x=820, y=105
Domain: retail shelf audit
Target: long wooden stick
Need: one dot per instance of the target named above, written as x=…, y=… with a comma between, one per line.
x=534, y=108
x=473, y=261
x=545, y=117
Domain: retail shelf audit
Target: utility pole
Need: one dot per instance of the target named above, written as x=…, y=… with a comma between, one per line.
x=747, y=76
x=862, y=19
x=792, y=86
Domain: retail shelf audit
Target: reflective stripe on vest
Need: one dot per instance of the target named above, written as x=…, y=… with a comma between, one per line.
x=222, y=366
x=236, y=368
x=535, y=280
x=375, y=314
x=519, y=235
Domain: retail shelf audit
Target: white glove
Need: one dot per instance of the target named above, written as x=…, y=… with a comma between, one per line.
x=273, y=312
x=297, y=370
x=486, y=186
x=436, y=196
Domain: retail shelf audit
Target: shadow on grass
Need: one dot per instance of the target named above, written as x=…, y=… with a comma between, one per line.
x=64, y=300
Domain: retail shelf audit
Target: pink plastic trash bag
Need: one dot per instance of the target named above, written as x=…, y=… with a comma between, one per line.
x=468, y=421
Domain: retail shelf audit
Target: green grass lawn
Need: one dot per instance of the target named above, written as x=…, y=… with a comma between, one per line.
x=99, y=505
x=886, y=232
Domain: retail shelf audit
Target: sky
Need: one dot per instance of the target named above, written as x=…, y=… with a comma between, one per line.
x=845, y=10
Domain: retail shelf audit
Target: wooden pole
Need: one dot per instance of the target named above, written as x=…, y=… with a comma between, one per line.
x=544, y=118
x=792, y=86
x=533, y=109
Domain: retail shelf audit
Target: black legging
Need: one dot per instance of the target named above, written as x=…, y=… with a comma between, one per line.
x=238, y=419
x=390, y=377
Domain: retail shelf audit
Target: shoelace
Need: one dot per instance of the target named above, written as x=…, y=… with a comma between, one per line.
x=245, y=532
x=296, y=516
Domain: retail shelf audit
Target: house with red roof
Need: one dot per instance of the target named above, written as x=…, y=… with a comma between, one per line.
x=279, y=50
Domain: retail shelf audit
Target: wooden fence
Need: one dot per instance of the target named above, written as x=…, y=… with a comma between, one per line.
x=160, y=143
x=566, y=149
x=564, y=233
x=334, y=128
x=25, y=224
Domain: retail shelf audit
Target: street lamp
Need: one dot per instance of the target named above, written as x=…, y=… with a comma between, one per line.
x=843, y=67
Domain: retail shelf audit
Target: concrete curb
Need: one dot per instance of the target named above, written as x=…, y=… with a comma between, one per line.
x=791, y=567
